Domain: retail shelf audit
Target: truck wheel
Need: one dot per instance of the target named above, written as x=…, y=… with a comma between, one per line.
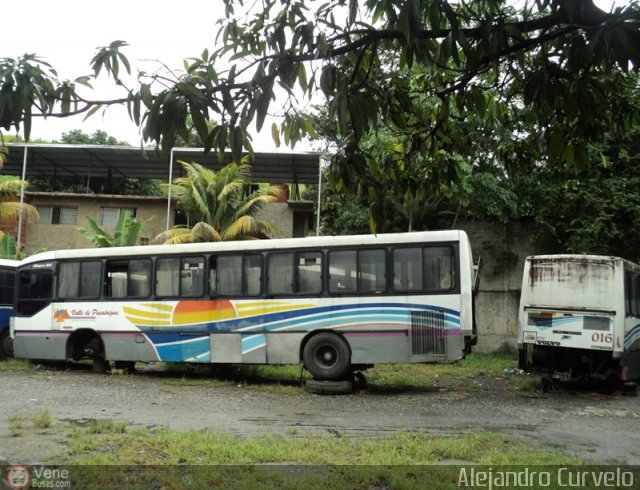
x=327, y=357
x=343, y=387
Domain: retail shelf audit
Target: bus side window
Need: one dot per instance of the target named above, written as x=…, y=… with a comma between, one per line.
x=309, y=266
x=192, y=276
x=407, y=269
x=280, y=273
x=79, y=280
x=343, y=271
x=229, y=274
x=167, y=272
x=438, y=268
x=68, y=283
x=372, y=272
x=252, y=274
x=90, y=274
x=128, y=278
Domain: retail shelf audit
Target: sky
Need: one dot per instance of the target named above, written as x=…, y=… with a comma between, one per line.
x=67, y=33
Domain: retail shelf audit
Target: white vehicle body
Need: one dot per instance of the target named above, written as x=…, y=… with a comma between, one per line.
x=580, y=314
x=186, y=303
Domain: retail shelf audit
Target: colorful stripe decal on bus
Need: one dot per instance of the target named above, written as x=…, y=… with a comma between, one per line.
x=587, y=322
x=185, y=340
x=222, y=318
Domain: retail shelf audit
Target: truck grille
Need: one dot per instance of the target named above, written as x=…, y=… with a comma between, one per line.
x=428, y=333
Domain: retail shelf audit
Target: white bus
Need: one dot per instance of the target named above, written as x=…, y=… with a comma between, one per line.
x=580, y=314
x=7, y=282
x=337, y=304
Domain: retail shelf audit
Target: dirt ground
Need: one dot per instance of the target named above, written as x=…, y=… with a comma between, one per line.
x=593, y=425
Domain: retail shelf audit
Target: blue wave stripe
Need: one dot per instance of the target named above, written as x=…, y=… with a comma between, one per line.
x=252, y=341
x=631, y=336
x=278, y=320
x=331, y=320
x=545, y=322
x=186, y=347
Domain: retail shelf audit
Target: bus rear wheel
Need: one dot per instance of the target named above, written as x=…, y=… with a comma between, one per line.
x=6, y=345
x=327, y=357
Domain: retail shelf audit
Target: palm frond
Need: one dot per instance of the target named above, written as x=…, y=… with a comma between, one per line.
x=10, y=210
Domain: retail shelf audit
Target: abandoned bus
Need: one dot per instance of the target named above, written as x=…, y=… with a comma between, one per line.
x=7, y=281
x=335, y=303
x=580, y=314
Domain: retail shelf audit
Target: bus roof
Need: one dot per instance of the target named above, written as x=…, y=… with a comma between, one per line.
x=256, y=245
x=9, y=263
x=585, y=258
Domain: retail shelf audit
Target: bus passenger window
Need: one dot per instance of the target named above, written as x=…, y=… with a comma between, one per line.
x=407, y=269
x=167, y=283
x=309, y=272
x=229, y=274
x=192, y=277
x=68, y=283
x=438, y=268
x=79, y=280
x=343, y=274
x=280, y=273
x=90, y=284
x=128, y=278
x=252, y=274
x=372, y=270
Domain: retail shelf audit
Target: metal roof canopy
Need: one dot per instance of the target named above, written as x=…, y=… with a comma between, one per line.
x=46, y=160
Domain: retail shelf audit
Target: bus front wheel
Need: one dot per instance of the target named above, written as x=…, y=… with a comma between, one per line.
x=327, y=357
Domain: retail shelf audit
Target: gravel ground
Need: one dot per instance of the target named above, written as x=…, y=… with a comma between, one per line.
x=588, y=424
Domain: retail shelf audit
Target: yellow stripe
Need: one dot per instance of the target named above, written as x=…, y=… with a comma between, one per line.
x=145, y=314
x=158, y=306
x=260, y=303
x=260, y=311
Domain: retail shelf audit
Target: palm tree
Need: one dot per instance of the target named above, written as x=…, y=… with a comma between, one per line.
x=10, y=209
x=219, y=204
x=127, y=231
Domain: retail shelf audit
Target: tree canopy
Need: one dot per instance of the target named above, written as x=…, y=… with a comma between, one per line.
x=475, y=57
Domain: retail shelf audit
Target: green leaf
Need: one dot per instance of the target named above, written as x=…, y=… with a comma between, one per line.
x=8, y=247
x=275, y=134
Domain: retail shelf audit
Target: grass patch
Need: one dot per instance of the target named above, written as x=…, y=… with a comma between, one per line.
x=13, y=365
x=166, y=446
x=16, y=424
x=42, y=420
x=400, y=461
x=421, y=375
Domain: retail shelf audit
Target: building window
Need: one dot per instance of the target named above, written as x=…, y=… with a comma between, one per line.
x=109, y=216
x=56, y=215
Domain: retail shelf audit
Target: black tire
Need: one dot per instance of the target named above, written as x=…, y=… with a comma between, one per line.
x=318, y=387
x=6, y=345
x=327, y=357
x=629, y=389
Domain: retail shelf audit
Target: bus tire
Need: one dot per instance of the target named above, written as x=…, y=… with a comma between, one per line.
x=318, y=387
x=327, y=357
x=6, y=345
